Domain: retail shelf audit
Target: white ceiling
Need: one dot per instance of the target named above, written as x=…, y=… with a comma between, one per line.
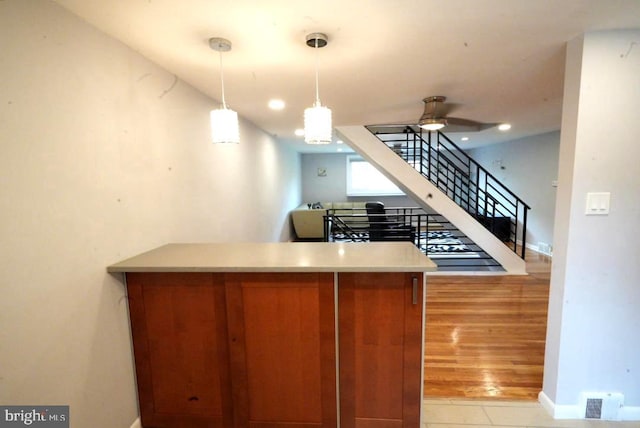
x=496, y=60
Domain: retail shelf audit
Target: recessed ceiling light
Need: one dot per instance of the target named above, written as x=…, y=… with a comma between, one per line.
x=276, y=104
x=339, y=142
x=299, y=132
x=464, y=139
x=504, y=127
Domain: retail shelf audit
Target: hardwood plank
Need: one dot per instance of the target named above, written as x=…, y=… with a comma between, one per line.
x=485, y=335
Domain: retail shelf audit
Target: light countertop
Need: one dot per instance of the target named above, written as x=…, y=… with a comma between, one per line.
x=280, y=257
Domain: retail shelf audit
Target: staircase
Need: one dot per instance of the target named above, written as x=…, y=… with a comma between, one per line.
x=437, y=174
x=433, y=234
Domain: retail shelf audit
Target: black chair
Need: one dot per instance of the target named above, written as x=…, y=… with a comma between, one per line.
x=384, y=228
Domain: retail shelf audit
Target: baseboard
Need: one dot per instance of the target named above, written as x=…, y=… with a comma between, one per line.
x=136, y=424
x=627, y=413
x=536, y=249
x=557, y=411
x=544, y=401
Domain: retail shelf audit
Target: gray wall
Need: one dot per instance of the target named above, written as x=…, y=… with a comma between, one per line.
x=99, y=160
x=333, y=187
x=528, y=167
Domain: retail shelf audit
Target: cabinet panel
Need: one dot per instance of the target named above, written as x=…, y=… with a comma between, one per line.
x=380, y=349
x=282, y=343
x=178, y=326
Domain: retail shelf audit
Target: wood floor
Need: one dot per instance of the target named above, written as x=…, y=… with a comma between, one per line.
x=485, y=335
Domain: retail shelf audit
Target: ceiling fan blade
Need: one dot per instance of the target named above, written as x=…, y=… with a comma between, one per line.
x=456, y=124
x=393, y=128
x=448, y=108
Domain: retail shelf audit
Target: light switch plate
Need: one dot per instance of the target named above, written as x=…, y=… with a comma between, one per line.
x=598, y=203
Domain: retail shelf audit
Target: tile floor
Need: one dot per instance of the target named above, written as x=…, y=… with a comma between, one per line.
x=442, y=413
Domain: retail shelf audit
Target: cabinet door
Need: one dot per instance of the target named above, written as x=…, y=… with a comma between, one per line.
x=178, y=324
x=380, y=330
x=282, y=347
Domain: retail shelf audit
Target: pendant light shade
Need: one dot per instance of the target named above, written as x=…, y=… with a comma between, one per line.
x=224, y=126
x=317, y=125
x=317, y=119
x=224, y=121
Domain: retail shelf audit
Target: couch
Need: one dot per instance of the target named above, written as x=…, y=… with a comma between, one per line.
x=308, y=223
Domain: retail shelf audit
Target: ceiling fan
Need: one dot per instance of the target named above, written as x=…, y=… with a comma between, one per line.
x=436, y=117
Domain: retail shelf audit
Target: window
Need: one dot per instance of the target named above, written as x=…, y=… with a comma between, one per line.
x=363, y=179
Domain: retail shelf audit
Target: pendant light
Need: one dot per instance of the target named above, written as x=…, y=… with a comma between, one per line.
x=224, y=121
x=317, y=119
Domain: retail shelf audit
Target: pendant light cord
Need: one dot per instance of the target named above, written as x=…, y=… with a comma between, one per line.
x=317, y=66
x=224, y=104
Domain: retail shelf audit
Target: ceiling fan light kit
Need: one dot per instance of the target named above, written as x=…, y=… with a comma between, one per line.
x=433, y=119
x=432, y=124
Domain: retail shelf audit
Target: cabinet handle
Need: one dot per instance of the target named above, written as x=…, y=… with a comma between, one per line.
x=415, y=290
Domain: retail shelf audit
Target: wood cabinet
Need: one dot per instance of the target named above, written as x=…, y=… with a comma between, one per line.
x=269, y=350
x=380, y=324
x=180, y=341
x=282, y=349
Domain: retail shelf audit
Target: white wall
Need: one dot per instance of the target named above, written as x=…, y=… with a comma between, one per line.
x=527, y=167
x=102, y=156
x=593, y=339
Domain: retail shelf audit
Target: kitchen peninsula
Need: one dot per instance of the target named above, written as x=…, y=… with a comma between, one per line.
x=278, y=334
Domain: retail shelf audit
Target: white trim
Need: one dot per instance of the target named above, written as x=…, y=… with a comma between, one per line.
x=536, y=249
x=565, y=411
x=136, y=424
x=546, y=402
x=559, y=411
